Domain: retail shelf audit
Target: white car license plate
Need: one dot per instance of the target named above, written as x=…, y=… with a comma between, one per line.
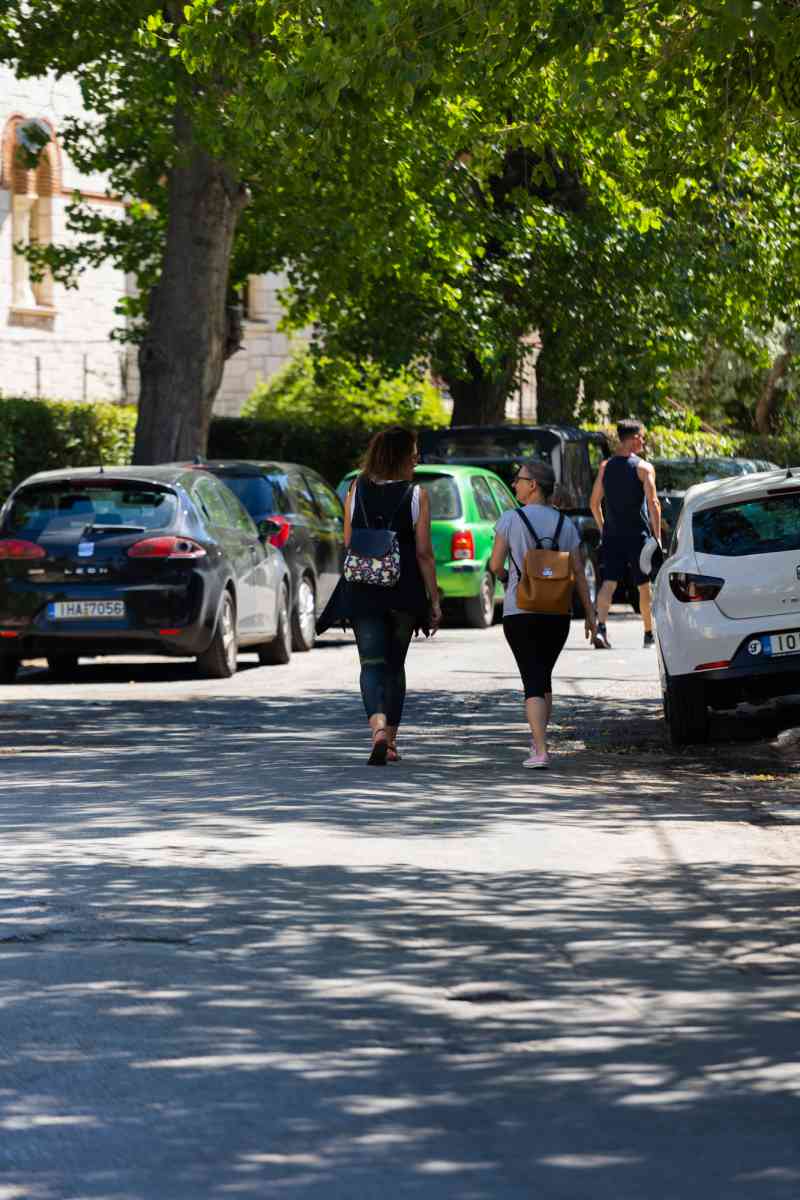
x=86, y=610
x=785, y=643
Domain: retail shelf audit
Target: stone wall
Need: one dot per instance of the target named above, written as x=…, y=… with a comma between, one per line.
x=53, y=341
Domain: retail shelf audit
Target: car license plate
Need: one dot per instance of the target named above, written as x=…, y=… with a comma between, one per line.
x=86, y=610
x=785, y=643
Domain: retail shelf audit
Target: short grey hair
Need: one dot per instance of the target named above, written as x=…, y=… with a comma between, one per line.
x=542, y=474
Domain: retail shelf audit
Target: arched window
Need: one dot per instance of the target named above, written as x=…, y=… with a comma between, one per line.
x=32, y=192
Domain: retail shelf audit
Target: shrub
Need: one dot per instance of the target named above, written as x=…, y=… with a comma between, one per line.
x=331, y=451
x=44, y=435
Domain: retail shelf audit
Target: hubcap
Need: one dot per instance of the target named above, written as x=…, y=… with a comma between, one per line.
x=228, y=635
x=306, y=614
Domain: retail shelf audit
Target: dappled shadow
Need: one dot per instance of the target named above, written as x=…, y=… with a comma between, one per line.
x=235, y=961
x=402, y=1032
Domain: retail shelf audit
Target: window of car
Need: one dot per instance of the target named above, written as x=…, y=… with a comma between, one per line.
x=61, y=507
x=487, y=508
x=260, y=494
x=480, y=444
x=238, y=516
x=768, y=525
x=502, y=498
x=209, y=497
x=442, y=492
x=326, y=498
x=301, y=497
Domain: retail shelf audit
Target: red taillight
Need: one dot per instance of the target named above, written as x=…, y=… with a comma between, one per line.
x=8, y=633
x=691, y=588
x=17, y=548
x=714, y=666
x=282, y=535
x=462, y=545
x=166, y=547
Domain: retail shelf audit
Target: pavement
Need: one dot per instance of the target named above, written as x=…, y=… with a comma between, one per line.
x=236, y=962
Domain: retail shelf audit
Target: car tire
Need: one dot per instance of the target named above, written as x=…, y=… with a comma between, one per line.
x=62, y=667
x=304, y=615
x=686, y=711
x=590, y=568
x=278, y=652
x=479, y=610
x=219, y=661
x=8, y=668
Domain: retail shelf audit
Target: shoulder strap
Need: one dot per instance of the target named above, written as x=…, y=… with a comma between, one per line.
x=557, y=534
x=396, y=510
x=531, y=530
x=360, y=500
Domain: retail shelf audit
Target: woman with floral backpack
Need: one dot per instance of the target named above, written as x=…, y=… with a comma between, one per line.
x=388, y=591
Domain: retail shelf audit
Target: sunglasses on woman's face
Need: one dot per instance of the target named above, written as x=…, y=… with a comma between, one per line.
x=518, y=478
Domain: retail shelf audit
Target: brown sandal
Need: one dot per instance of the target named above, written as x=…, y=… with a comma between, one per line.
x=380, y=749
x=393, y=755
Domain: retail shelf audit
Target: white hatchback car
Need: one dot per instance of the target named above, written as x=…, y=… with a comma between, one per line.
x=726, y=601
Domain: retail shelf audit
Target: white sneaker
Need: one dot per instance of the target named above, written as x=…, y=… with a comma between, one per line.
x=537, y=761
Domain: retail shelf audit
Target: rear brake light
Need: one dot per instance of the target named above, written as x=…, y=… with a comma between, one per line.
x=690, y=588
x=8, y=633
x=17, y=548
x=282, y=535
x=462, y=545
x=714, y=666
x=166, y=547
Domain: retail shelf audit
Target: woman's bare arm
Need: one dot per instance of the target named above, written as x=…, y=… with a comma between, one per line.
x=497, y=563
x=425, y=557
x=348, y=520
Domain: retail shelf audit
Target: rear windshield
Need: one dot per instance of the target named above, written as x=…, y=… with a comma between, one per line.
x=765, y=526
x=258, y=494
x=64, y=508
x=443, y=495
x=680, y=476
x=496, y=444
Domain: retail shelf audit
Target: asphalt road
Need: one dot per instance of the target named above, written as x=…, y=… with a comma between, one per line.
x=235, y=962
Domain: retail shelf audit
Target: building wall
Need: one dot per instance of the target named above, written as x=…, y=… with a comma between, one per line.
x=57, y=342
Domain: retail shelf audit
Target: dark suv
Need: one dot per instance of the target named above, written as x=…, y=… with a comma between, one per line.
x=311, y=529
x=574, y=454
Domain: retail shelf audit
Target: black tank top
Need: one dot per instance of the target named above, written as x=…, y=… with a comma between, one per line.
x=382, y=504
x=623, y=497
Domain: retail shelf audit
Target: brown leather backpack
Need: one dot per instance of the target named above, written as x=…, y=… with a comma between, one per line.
x=546, y=579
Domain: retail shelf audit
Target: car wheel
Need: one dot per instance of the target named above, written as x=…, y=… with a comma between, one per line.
x=479, y=610
x=219, y=661
x=304, y=615
x=8, y=668
x=279, y=651
x=590, y=570
x=62, y=666
x=686, y=711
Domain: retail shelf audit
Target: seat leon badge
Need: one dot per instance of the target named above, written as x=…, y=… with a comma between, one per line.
x=754, y=647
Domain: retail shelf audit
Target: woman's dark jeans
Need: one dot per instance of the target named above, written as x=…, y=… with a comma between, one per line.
x=383, y=642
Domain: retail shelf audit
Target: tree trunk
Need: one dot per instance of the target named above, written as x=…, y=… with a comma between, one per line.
x=183, y=354
x=770, y=396
x=480, y=399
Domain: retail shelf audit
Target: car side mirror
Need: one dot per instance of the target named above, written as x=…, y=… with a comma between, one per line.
x=267, y=529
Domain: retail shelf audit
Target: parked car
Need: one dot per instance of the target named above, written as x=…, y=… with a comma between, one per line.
x=674, y=476
x=727, y=599
x=574, y=454
x=137, y=560
x=466, y=503
x=308, y=514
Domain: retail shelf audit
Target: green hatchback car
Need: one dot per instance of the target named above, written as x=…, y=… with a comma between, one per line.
x=466, y=502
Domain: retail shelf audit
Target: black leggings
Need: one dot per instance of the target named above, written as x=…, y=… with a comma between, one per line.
x=536, y=640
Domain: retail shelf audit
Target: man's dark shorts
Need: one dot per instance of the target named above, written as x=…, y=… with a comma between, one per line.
x=619, y=554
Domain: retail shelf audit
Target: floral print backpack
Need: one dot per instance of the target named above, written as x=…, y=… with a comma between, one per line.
x=373, y=555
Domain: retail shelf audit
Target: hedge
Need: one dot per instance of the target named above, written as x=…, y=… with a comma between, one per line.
x=44, y=435
x=41, y=435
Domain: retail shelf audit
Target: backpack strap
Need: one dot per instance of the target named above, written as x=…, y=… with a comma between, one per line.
x=557, y=534
x=395, y=511
x=531, y=530
x=360, y=500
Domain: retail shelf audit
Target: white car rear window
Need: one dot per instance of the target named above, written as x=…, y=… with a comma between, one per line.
x=764, y=526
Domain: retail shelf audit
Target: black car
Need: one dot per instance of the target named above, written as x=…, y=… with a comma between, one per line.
x=310, y=530
x=137, y=560
x=574, y=454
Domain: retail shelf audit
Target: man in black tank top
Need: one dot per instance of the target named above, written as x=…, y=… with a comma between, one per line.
x=628, y=513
